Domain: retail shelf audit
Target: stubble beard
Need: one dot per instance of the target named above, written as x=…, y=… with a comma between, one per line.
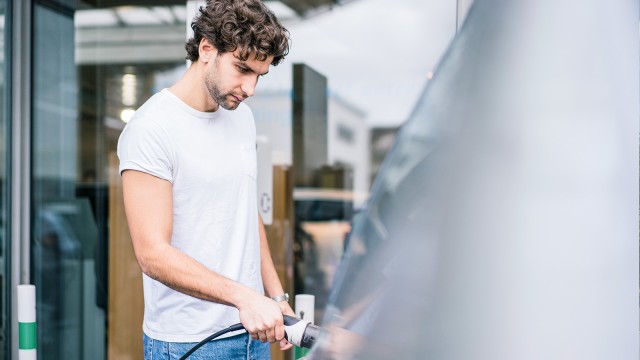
x=211, y=82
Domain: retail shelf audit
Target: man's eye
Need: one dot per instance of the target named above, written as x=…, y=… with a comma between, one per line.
x=243, y=70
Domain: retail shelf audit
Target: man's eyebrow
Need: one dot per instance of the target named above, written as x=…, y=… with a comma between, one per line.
x=242, y=63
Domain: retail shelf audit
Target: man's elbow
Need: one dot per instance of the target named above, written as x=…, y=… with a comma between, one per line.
x=146, y=266
x=150, y=260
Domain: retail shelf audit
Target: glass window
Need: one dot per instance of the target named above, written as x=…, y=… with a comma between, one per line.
x=94, y=63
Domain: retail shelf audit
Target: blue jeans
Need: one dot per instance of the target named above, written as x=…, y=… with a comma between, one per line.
x=235, y=347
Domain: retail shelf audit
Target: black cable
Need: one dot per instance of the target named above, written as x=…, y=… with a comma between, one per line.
x=235, y=327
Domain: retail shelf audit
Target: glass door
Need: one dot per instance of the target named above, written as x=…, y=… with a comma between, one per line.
x=94, y=63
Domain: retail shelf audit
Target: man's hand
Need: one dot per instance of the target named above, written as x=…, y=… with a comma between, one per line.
x=286, y=310
x=262, y=318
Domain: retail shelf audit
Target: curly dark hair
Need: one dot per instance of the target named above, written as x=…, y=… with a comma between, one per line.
x=247, y=25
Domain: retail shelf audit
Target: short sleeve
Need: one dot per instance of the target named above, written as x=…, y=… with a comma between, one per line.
x=145, y=146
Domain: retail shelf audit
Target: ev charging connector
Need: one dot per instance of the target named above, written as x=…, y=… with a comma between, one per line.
x=298, y=332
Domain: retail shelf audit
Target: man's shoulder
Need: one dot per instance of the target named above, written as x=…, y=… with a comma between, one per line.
x=158, y=110
x=158, y=102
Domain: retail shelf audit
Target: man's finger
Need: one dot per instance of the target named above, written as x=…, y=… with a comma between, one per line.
x=271, y=335
x=263, y=336
x=285, y=345
x=279, y=333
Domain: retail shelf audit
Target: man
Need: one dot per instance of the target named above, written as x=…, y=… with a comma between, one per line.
x=188, y=165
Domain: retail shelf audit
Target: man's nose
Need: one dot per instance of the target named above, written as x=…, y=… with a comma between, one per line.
x=249, y=86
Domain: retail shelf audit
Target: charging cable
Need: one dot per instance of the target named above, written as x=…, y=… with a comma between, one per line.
x=298, y=332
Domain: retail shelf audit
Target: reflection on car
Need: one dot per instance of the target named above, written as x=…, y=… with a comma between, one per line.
x=323, y=220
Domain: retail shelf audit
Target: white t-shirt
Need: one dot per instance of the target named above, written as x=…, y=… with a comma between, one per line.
x=210, y=159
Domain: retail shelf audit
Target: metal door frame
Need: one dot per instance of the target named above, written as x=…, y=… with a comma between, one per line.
x=19, y=144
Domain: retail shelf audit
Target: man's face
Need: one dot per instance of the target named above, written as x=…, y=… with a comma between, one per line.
x=229, y=80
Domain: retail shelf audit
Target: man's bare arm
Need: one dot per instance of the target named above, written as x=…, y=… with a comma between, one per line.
x=149, y=211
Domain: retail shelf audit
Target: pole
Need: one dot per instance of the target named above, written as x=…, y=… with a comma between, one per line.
x=27, y=339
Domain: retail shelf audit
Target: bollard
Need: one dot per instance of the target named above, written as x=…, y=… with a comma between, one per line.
x=305, y=310
x=27, y=339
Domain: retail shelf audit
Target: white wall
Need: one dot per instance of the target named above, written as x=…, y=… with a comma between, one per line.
x=272, y=112
x=354, y=151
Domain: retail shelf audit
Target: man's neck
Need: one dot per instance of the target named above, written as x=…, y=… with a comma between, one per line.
x=192, y=90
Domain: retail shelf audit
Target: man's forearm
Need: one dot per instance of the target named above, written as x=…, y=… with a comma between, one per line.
x=260, y=316
x=181, y=272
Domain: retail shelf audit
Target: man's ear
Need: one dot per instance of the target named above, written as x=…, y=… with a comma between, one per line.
x=206, y=50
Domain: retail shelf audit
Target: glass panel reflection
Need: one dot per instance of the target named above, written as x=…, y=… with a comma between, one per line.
x=87, y=80
x=322, y=222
